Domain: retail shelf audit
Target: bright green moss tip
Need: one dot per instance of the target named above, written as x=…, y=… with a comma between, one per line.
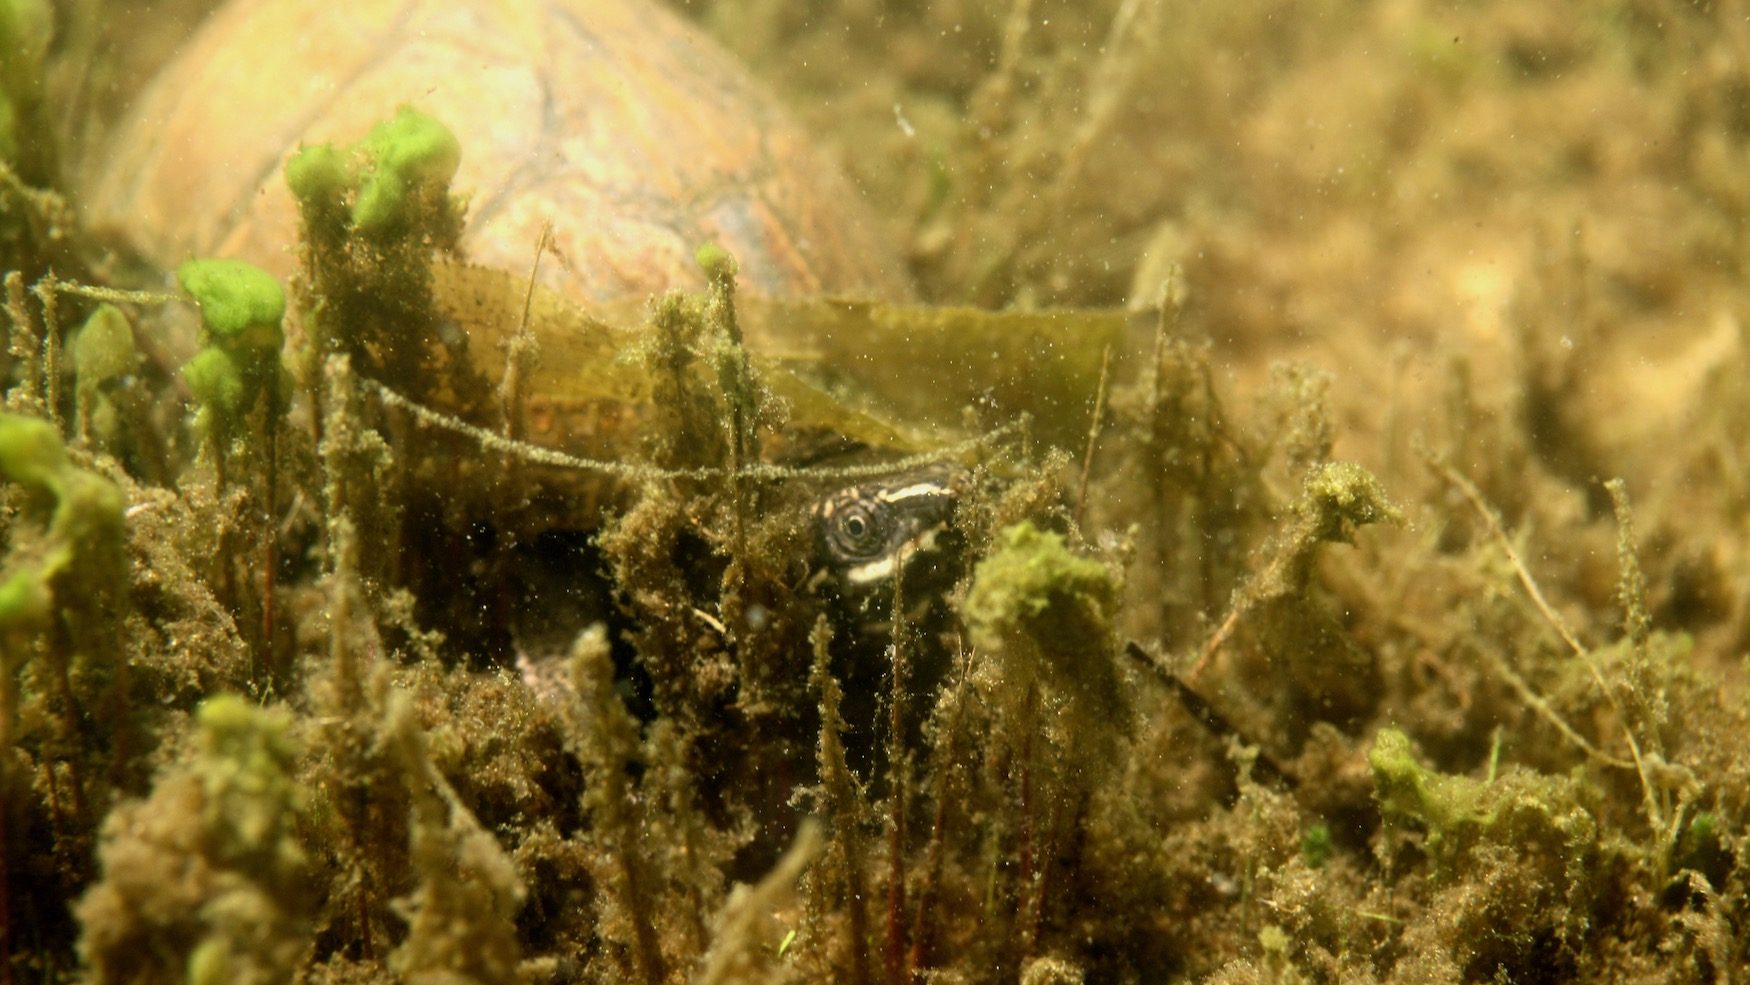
x=1033, y=583
x=1405, y=788
x=409, y=154
x=216, y=381
x=1343, y=496
x=318, y=175
x=240, y=303
x=717, y=262
x=31, y=453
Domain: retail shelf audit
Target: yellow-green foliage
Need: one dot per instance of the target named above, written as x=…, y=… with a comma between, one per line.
x=206, y=881
x=373, y=215
x=102, y=350
x=84, y=522
x=1033, y=589
x=397, y=177
x=1042, y=619
x=241, y=309
x=1407, y=790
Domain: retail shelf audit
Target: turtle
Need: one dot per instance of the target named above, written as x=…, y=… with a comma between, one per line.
x=617, y=122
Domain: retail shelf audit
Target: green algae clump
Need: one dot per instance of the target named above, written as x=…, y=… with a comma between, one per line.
x=85, y=519
x=1045, y=616
x=1339, y=497
x=241, y=305
x=394, y=175
x=372, y=216
x=241, y=308
x=1407, y=789
x=205, y=880
x=103, y=349
x=1032, y=585
x=411, y=155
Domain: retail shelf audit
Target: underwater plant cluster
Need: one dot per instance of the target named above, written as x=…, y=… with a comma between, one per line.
x=412, y=622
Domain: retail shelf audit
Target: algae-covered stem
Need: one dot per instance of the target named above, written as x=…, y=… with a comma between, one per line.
x=947, y=752
x=898, y=767
x=734, y=376
x=49, y=299
x=1093, y=434
x=521, y=347
x=842, y=801
x=22, y=346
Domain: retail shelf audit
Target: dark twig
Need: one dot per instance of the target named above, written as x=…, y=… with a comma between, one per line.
x=1210, y=718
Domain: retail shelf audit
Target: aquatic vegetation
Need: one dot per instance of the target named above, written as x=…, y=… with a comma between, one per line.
x=373, y=214
x=101, y=352
x=238, y=366
x=542, y=688
x=207, y=880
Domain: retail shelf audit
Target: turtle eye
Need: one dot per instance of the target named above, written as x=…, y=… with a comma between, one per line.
x=859, y=532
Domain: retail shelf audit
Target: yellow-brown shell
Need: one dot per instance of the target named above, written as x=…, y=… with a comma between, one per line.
x=636, y=137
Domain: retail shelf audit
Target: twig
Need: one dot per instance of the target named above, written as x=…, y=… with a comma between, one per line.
x=520, y=347
x=45, y=291
x=753, y=471
x=22, y=342
x=1222, y=632
x=1093, y=433
x=1210, y=718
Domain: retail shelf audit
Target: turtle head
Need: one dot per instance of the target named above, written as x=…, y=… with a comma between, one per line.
x=874, y=535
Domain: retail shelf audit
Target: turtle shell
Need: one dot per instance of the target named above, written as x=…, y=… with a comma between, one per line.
x=634, y=135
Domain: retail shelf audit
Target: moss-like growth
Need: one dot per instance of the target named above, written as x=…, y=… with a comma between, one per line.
x=102, y=351
x=84, y=525
x=206, y=881
x=31, y=453
x=373, y=214
x=1339, y=498
x=241, y=305
x=462, y=915
x=395, y=177
x=1408, y=790
x=1033, y=595
x=216, y=381
x=241, y=308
